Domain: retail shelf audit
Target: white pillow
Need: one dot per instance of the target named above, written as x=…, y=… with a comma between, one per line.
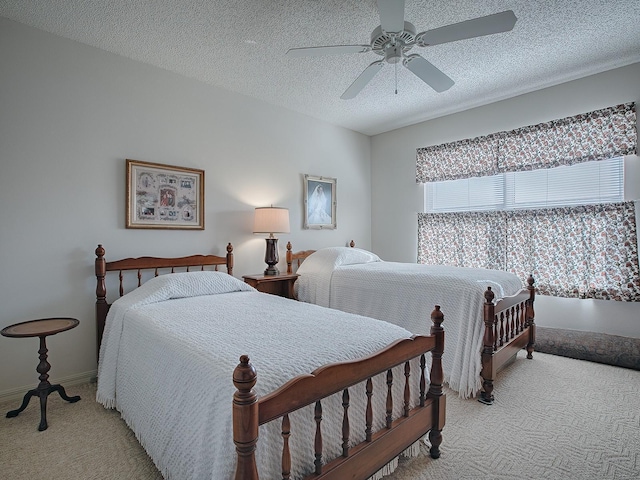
x=332, y=257
x=191, y=284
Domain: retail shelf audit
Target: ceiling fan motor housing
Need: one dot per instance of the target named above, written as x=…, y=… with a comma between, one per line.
x=393, y=46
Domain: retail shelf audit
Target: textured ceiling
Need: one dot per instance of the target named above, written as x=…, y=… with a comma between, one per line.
x=240, y=45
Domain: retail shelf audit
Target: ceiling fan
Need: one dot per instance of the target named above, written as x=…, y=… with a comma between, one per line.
x=394, y=37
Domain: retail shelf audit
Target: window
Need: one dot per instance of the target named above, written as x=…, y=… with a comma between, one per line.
x=581, y=184
x=568, y=226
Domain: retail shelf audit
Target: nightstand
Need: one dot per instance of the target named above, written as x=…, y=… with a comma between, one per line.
x=281, y=285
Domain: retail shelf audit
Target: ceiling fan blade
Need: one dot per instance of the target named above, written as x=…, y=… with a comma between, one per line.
x=331, y=50
x=391, y=15
x=428, y=73
x=363, y=79
x=477, y=27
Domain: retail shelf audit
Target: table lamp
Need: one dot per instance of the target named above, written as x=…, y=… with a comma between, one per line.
x=271, y=220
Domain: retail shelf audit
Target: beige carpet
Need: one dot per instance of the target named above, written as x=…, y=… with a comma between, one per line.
x=554, y=418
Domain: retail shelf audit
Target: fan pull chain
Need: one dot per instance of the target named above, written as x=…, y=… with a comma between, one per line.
x=396, y=69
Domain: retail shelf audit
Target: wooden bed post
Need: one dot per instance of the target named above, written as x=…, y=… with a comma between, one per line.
x=436, y=378
x=230, y=259
x=101, y=297
x=530, y=317
x=486, y=396
x=245, y=419
x=289, y=258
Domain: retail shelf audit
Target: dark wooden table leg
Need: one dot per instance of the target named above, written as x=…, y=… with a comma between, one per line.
x=63, y=394
x=43, y=390
x=25, y=402
x=43, y=410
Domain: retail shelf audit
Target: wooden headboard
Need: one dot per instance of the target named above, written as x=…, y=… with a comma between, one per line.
x=298, y=257
x=146, y=263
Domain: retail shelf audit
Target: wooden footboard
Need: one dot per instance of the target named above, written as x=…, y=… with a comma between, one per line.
x=366, y=458
x=509, y=327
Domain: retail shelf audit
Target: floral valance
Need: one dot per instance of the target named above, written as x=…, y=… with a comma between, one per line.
x=597, y=135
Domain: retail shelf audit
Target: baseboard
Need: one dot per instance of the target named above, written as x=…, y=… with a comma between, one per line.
x=592, y=346
x=71, y=380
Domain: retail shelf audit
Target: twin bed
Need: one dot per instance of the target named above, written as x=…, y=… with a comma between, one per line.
x=490, y=315
x=176, y=356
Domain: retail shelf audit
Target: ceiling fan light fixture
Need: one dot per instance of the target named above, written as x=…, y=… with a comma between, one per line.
x=393, y=54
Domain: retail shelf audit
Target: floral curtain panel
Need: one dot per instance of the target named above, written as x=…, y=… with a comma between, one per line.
x=583, y=252
x=469, y=239
x=597, y=135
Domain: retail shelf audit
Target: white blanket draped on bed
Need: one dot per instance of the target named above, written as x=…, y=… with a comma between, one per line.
x=169, y=351
x=356, y=281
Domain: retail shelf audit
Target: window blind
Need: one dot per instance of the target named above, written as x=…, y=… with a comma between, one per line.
x=580, y=184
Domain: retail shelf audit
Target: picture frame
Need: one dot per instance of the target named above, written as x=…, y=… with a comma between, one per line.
x=320, y=202
x=164, y=196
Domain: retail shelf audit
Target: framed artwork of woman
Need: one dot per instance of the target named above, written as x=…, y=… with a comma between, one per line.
x=319, y=202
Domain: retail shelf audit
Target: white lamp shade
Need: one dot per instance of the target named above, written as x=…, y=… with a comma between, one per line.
x=271, y=220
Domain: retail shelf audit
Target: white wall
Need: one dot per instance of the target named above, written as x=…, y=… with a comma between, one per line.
x=69, y=117
x=71, y=114
x=397, y=199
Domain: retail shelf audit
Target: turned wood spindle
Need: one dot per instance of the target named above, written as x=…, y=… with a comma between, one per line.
x=389, y=416
x=407, y=388
x=286, y=453
x=423, y=379
x=318, y=438
x=369, y=411
x=345, y=423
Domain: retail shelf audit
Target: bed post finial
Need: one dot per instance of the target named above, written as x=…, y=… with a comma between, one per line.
x=352, y=244
x=101, y=296
x=289, y=258
x=437, y=376
x=530, y=316
x=489, y=314
x=489, y=295
x=101, y=270
x=435, y=383
x=230, y=258
x=245, y=419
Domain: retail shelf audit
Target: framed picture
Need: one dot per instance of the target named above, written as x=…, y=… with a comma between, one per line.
x=164, y=196
x=319, y=202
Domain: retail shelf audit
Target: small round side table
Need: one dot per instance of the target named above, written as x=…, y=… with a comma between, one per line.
x=41, y=328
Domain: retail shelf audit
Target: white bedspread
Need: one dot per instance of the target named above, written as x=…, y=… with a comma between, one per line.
x=405, y=294
x=169, y=351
